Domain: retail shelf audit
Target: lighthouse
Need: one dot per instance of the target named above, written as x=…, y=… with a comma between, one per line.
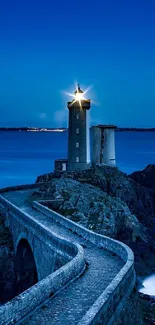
x=78, y=132
x=102, y=138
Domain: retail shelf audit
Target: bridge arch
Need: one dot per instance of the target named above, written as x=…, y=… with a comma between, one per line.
x=25, y=266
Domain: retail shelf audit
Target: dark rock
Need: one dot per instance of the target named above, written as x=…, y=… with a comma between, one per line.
x=147, y=305
x=111, y=203
x=146, y=177
x=7, y=266
x=131, y=314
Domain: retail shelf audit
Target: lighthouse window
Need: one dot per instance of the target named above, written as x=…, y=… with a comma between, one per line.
x=77, y=144
x=77, y=130
x=77, y=116
x=77, y=159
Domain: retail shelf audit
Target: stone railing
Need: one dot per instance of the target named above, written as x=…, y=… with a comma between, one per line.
x=20, y=306
x=107, y=307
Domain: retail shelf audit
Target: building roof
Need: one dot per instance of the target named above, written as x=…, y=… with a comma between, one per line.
x=61, y=160
x=107, y=126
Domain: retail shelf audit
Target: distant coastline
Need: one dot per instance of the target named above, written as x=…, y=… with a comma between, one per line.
x=33, y=129
x=136, y=129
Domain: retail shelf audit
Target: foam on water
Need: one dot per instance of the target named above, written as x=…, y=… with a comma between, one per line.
x=148, y=285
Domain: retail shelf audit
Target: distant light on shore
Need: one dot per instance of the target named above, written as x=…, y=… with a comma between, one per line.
x=45, y=130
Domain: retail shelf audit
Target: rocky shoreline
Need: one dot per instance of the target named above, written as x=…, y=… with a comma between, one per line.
x=115, y=204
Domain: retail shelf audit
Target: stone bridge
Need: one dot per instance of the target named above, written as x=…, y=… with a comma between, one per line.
x=66, y=274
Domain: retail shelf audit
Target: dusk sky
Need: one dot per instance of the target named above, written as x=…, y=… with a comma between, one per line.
x=47, y=46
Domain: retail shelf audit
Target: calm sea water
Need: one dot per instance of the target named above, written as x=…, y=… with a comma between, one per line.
x=25, y=155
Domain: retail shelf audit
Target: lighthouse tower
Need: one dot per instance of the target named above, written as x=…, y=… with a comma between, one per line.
x=78, y=132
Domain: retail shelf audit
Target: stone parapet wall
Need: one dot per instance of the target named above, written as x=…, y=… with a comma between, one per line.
x=22, y=305
x=110, y=244
x=107, y=307
x=26, y=302
x=39, y=230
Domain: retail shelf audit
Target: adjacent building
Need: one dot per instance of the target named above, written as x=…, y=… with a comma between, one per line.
x=103, y=145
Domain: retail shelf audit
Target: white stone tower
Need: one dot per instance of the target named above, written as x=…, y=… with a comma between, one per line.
x=103, y=145
x=78, y=132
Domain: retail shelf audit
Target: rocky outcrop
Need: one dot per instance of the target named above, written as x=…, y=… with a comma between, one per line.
x=147, y=305
x=145, y=177
x=115, y=183
x=132, y=313
x=7, y=272
x=90, y=206
x=107, y=201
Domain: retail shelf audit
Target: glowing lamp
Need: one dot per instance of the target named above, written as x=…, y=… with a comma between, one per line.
x=79, y=94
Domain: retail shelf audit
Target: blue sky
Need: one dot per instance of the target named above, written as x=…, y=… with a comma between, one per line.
x=46, y=46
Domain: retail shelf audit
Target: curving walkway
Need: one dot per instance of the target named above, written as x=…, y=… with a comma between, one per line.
x=72, y=303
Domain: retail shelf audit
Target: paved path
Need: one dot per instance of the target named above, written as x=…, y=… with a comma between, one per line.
x=71, y=304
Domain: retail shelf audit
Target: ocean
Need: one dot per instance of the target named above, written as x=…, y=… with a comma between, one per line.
x=25, y=155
